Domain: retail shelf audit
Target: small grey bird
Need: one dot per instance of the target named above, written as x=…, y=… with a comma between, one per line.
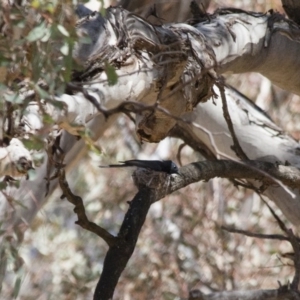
x=167, y=166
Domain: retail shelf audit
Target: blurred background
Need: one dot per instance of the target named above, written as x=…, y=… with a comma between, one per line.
x=181, y=246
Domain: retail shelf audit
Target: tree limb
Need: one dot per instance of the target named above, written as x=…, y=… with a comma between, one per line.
x=236, y=147
x=79, y=209
x=255, y=170
x=118, y=254
x=257, y=235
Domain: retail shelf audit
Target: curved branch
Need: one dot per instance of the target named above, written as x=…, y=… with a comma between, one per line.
x=79, y=209
x=254, y=170
x=119, y=254
x=255, y=42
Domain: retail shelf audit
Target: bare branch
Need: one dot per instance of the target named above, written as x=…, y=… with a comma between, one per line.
x=118, y=254
x=265, y=172
x=236, y=145
x=295, y=244
x=79, y=209
x=294, y=240
x=257, y=235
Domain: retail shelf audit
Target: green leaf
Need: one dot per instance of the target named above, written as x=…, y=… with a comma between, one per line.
x=102, y=8
x=35, y=4
x=20, y=203
x=17, y=287
x=63, y=30
x=65, y=49
x=47, y=35
x=37, y=33
x=13, y=98
x=2, y=185
x=35, y=143
x=56, y=103
x=3, y=87
x=21, y=24
x=47, y=119
x=43, y=94
x=50, y=7
x=3, y=265
x=85, y=40
x=111, y=73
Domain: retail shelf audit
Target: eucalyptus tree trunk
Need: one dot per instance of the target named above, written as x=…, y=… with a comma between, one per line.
x=167, y=75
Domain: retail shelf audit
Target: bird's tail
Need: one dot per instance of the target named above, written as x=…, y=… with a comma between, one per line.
x=114, y=166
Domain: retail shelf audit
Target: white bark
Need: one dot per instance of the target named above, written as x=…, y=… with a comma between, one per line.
x=15, y=159
x=258, y=136
x=245, y=43
x=148, y=78
x=241, y=43
x=180, y=58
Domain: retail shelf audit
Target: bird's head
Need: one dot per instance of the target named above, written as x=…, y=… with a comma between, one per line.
x=173, y=168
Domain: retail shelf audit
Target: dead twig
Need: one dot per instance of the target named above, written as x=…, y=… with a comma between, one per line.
x=79, y=209
x=294, y=240
x=257, y=235
x=236, y=145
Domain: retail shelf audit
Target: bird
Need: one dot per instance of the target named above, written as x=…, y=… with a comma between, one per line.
x=166, y=166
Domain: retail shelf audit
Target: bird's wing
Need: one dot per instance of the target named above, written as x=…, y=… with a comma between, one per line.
x=155, y=165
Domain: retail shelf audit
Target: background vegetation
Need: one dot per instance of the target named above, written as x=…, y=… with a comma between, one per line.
x=181, y=246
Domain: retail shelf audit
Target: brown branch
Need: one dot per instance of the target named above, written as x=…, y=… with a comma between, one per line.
x=120, y=247
x=294, y=240
x=178, y=155
x=80, y=211
x=257, y=235
x=236, y=145
x=295, y=244
x=125, y=107
x=119, y=254
x=296, y=247
x=264, y=172
x=178, y=132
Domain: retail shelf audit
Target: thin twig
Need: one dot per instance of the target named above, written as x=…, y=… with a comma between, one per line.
x=257, y=235
x=137, y=107
x=294, y=240
x=236, y=145
x=178, y=155
x=79, y=209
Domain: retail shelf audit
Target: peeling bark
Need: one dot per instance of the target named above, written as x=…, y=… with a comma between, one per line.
x=171, y=69
x=255, y=42
x=15, y=159
x=258, y=136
